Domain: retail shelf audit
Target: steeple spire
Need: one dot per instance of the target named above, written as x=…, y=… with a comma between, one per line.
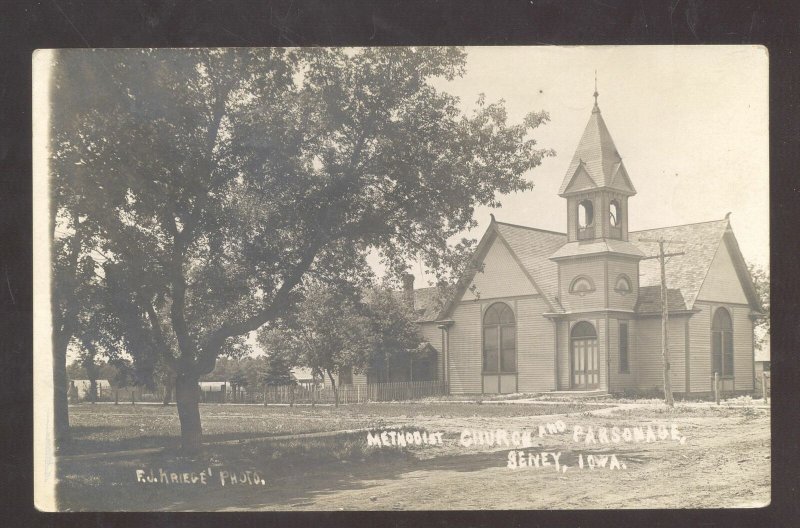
x=596, y=108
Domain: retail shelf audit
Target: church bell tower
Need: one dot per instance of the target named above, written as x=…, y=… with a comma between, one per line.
x=598, y=268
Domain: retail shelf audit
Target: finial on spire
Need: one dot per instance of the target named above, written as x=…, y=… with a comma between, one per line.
x=596, y=108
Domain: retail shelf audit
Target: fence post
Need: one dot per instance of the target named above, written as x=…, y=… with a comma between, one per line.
x=133, y=397
x=716, y=387
x=764, y=385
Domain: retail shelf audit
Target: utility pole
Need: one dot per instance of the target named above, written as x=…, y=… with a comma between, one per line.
x=664, y=312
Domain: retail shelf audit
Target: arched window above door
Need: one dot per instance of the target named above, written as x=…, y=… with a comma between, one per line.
x=583, y=330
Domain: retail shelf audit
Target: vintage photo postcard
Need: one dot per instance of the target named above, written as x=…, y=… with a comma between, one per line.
x=401, y=278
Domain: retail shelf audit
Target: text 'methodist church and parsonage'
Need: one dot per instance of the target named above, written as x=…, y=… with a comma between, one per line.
x=582, y=310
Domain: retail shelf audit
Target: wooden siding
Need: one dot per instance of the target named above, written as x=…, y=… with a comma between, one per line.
x=563, y=355
x=501, y=276
x=700, y=353
x=619, y=380
x=594, y=268
x=647, y=353
x=722, y=283
x=629, y=268
x=535, y=361
x=742, y=348
x=465, y=360
x=700, y=348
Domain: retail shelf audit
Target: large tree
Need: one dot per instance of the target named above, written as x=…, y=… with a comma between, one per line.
x=222, y=181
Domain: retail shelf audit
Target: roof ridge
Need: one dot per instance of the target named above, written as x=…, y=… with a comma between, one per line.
x=531, y=228
x=678, y=225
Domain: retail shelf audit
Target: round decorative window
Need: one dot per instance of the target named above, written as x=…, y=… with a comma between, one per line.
x=581, y=286
x=623, y=285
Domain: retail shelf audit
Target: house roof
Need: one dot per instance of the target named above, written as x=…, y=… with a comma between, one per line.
x=685, y=274
x=598, y=156
x=427, y=303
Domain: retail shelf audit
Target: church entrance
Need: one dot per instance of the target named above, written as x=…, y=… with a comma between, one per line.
x=585, y=362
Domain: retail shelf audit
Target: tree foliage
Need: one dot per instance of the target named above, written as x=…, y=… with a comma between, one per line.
x=760, y=278
x=218, y=183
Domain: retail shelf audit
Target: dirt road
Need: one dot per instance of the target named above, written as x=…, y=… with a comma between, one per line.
x=723, y=462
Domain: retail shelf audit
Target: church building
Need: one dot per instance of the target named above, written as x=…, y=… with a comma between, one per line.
x=581, y=310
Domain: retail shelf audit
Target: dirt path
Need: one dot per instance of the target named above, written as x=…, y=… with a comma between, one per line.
x=725, y=462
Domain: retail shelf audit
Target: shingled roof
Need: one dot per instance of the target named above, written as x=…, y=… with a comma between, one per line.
x=598, y=156
x=685, y=274
x=427, y=304
x=533, y=247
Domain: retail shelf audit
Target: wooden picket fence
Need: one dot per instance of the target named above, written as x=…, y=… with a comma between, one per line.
x=361, y=393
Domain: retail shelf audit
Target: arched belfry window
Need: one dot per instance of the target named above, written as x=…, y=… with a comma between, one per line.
x=722, y=343
x=585, y=213
x=585, y=220
x=499, y=339
x=615, y=213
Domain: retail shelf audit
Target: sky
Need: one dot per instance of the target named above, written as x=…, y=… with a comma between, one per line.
x=690, y=122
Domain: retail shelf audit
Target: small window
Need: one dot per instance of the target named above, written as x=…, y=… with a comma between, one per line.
x=585, y=214
x=624, y=367
x=623, y=285
x=615, y=213
x=581, y=286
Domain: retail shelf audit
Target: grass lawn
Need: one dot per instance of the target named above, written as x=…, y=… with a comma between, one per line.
x=724, y=462
x=104, y=428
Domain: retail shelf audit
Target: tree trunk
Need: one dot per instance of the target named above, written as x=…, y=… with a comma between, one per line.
x=60, y=401
x=92, y=390
x=169, y=382
x=187, y=396
x=335, y=389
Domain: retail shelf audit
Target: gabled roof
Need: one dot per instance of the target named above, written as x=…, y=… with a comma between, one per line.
x=598, y=157
x=687, y=272
x=531, y=247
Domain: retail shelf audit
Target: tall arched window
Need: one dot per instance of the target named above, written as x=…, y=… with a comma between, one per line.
x=722, y=343
x=499, y=340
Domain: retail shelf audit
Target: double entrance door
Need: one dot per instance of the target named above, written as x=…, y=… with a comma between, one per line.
x=585, y=364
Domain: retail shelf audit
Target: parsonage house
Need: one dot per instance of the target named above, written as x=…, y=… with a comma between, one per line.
x=581, y=311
